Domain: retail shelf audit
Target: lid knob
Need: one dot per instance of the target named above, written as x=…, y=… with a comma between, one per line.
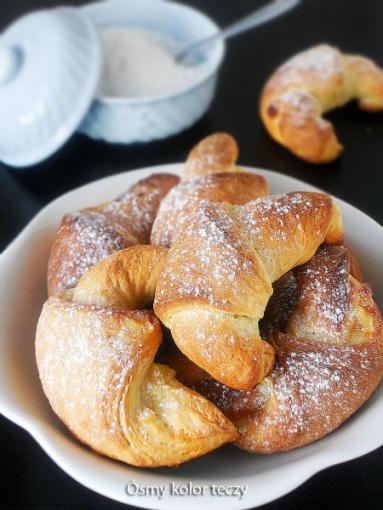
x=10, y=60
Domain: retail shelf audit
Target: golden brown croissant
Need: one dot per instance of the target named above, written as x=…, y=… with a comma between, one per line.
x=309, y=85
x=217, y=153
x=95, y=354
x=92, y=234
x=184, y=200
x=328, y=334
x=218, y=278
x=213, y=160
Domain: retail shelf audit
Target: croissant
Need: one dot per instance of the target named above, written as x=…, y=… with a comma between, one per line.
x=309, y=85
x=218, y=278
x=184, y=200
x=328, y=334
x=95, y=352
x=92, y=234
x=210, y=175
x=217, y=153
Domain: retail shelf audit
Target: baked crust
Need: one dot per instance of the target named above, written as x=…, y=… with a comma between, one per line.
x=275, y=328
x=328, y=336
x=309, y=85
x=217, y=153
x=184, y=200
x=210, y=175
x=219, y=273
x=95, y=354
x=86, y=237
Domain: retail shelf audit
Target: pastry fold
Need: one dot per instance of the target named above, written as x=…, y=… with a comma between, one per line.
x=328, y=336
x=218, y=278
x=95, y=354
x=86, y=237
x=210, y=175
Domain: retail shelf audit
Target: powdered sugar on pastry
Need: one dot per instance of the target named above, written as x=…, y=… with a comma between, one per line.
x=185, y=200
x=95, y=358
x=322, y=61
x=307, y=86
x=225, y=260
x=90, y=235
x=318, y=381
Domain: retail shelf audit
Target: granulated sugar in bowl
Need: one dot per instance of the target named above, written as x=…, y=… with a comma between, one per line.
x=138, y=63
x=143, y=93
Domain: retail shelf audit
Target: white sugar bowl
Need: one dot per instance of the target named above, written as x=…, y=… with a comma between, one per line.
x=51, y=68
x=124, y=120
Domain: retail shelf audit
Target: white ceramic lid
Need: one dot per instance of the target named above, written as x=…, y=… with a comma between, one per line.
x=49, y=69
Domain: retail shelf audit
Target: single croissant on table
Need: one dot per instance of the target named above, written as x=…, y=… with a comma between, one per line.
x=328, y=335
x=309, y=85
x=95, y=348
x=218, y=277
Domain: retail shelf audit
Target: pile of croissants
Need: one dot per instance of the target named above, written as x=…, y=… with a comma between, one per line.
x=189, y=313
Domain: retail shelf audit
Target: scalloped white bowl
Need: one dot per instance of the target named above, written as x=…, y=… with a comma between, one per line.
x=22, y=291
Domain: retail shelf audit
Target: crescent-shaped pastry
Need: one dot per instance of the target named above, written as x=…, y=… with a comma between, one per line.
x=217, y=153
x=218, y=278
x=86, y=237
x=210, y=175
x=309, y=85
x=95, y=353
x=184, y=200
x=328, y=334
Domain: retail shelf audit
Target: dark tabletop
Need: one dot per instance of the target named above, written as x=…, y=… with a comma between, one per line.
x=28, y=478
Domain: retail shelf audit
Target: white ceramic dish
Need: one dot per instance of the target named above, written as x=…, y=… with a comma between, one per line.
x=22, y=291
x=121, y=120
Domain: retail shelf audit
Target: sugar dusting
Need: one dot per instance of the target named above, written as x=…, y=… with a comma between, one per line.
x=296, y=403
x=298, y=398
x=308, y=85
x=174, y=211
x=307, y=376
x=303, y=107
x=279, y=211
x=91, y=239
x=322, y=62
x=87, y=352
x=88, y=236
x=222, y=246
x=184, y=200
x=306, y=385
x=136, y=212
x=283, y=228
x=325, y=287
x=221, y=255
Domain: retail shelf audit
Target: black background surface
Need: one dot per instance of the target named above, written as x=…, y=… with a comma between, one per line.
x=28, y=478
